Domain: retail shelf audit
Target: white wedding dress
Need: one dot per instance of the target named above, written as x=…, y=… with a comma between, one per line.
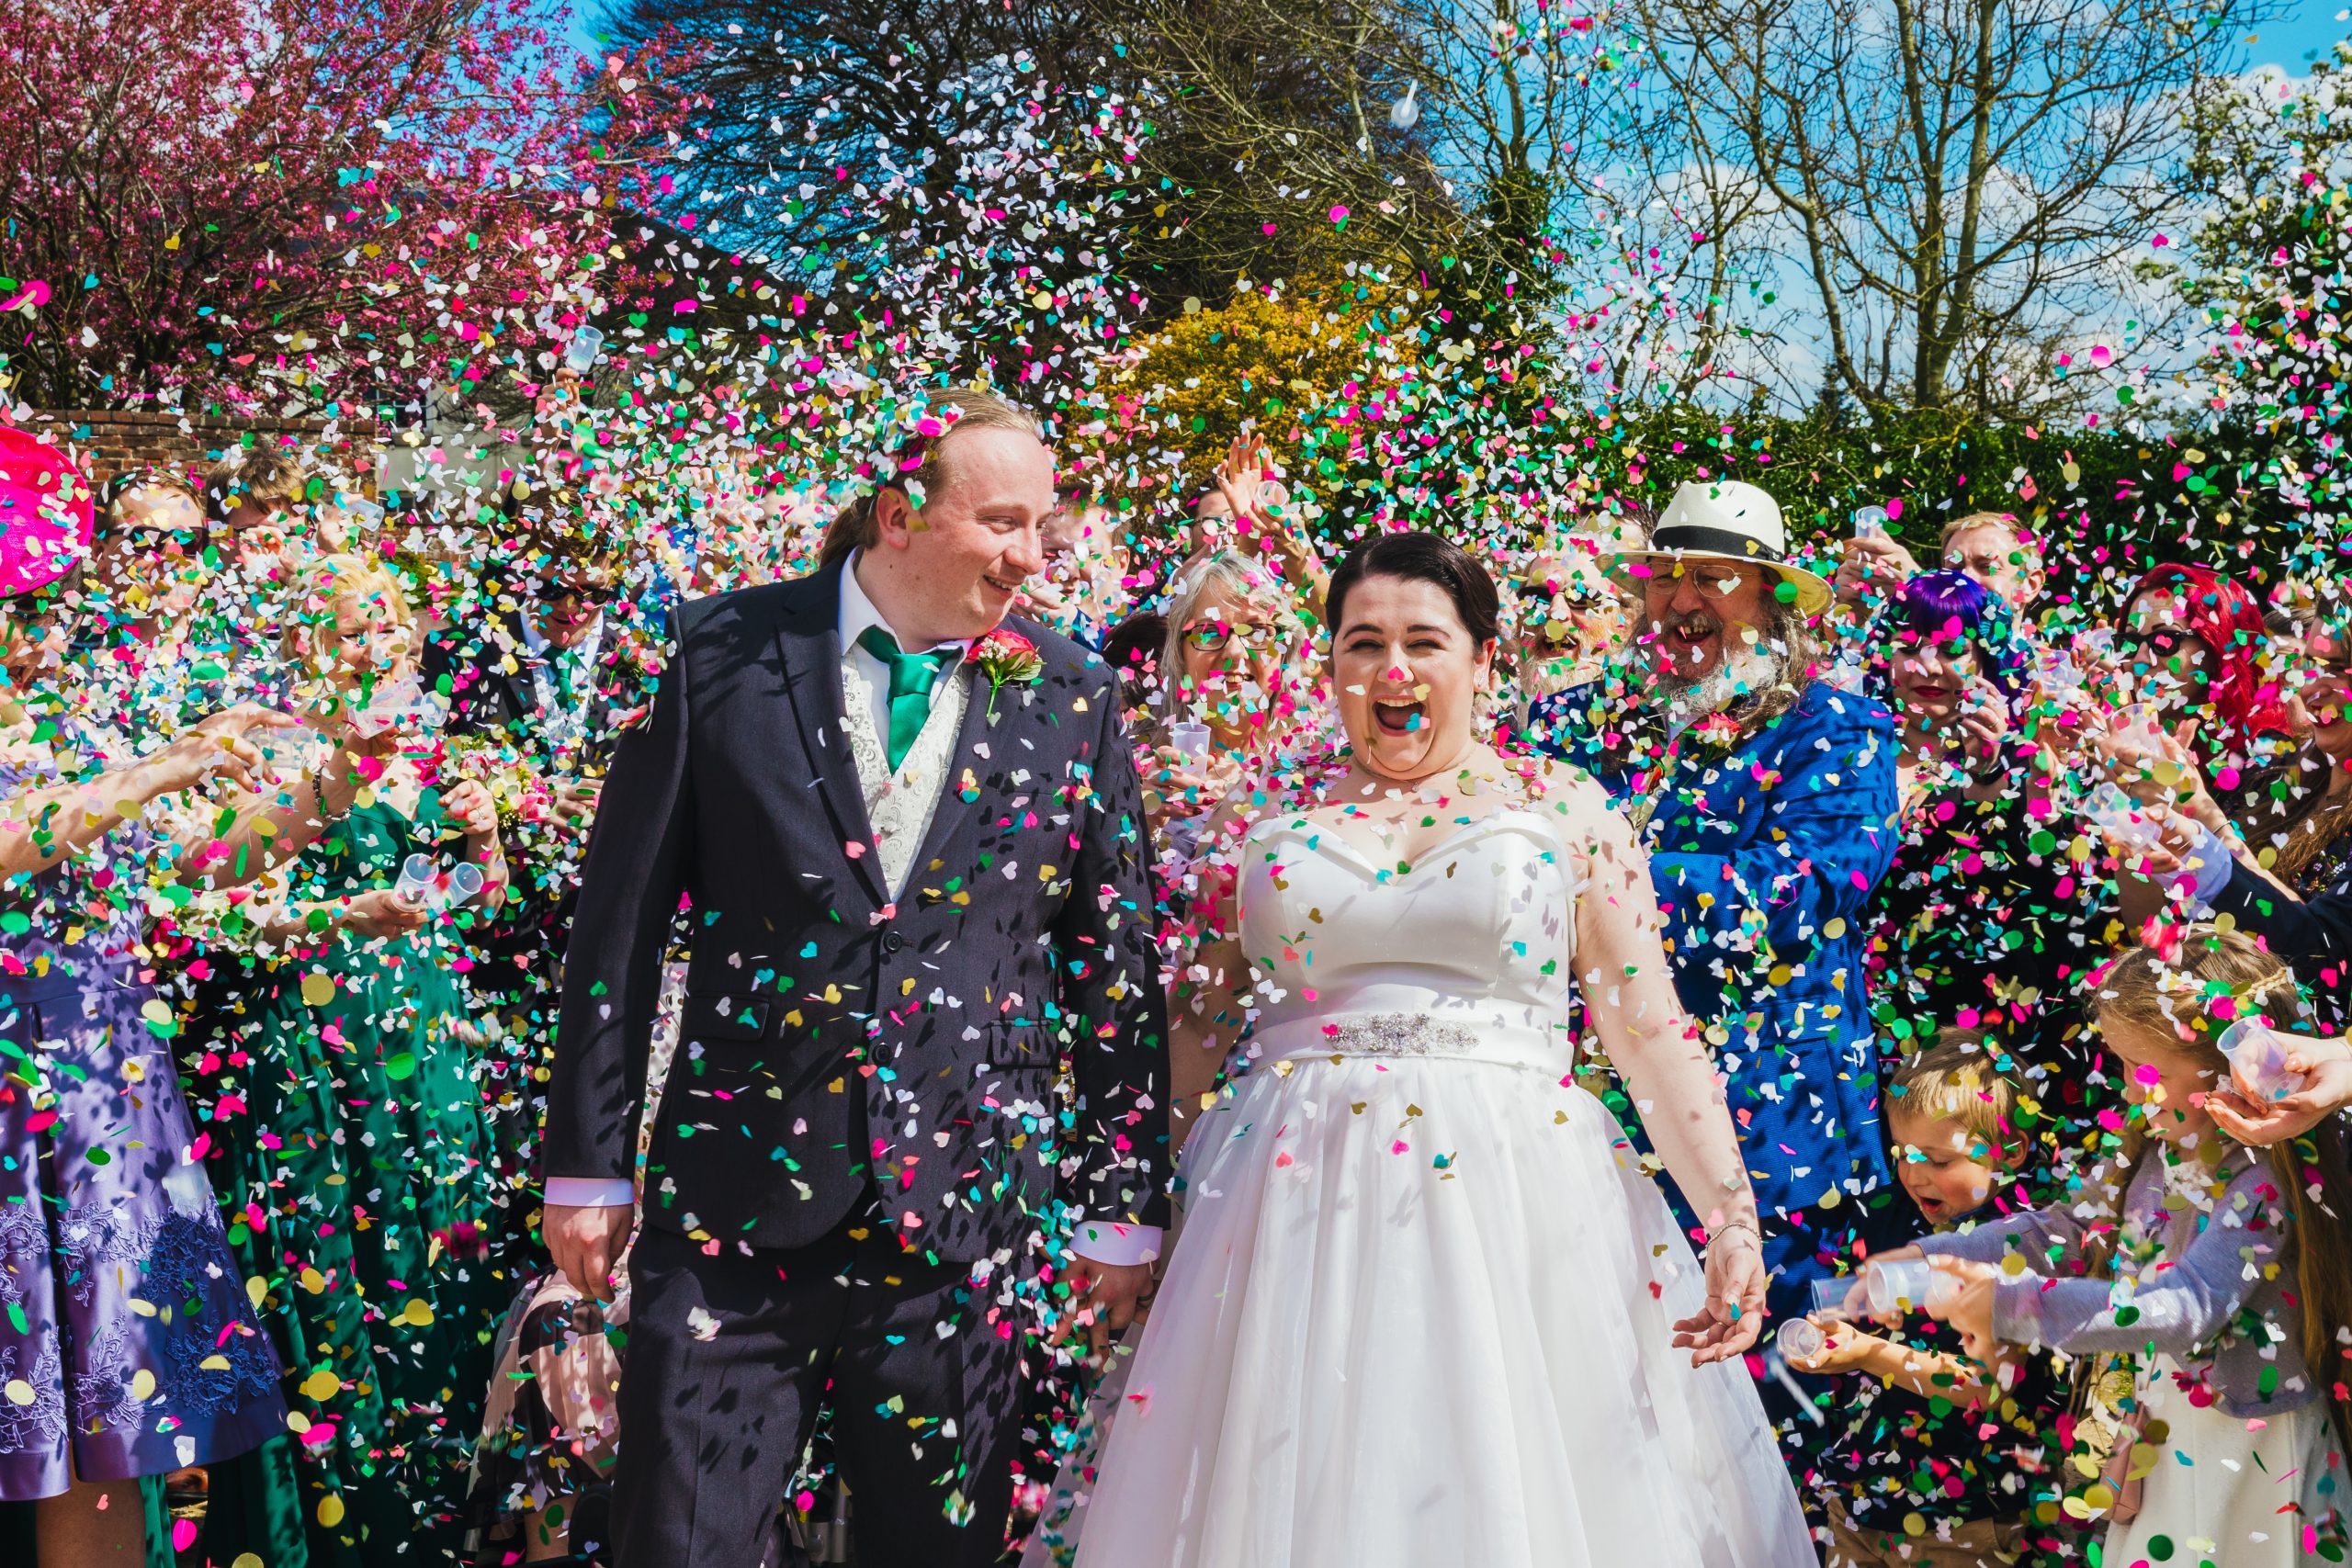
x=1418, y=1312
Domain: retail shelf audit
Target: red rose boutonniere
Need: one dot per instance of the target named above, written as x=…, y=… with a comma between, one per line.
x=1007, y=658
x=1718, y=729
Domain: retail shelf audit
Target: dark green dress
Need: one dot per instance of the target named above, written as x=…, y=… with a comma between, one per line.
x=352, y=1136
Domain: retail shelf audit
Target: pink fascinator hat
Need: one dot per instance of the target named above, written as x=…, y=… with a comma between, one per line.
x=45, y=513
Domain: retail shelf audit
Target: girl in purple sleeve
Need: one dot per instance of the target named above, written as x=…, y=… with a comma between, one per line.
x=2226, y=1271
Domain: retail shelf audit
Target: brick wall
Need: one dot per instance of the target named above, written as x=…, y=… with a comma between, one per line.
x=110, y=441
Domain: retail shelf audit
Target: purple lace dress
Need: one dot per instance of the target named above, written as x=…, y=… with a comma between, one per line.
x=127, y=1347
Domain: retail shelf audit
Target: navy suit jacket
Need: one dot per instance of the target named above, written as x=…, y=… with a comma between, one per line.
x=840, y=1048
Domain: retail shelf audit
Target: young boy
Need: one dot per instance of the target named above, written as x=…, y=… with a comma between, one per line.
x=1938, y=1467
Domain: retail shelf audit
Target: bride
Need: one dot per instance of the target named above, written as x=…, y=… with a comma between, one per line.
x=1425, y=1305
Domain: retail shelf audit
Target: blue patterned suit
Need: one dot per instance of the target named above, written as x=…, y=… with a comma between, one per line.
x=1764, y=850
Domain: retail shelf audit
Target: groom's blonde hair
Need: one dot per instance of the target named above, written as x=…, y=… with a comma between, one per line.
x=973, y=408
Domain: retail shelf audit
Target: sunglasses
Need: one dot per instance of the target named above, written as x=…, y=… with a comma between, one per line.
x=593, y=591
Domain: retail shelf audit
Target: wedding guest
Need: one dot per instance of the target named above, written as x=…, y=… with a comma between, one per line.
x=1993, y=548
x=2226, y=1271
x=1985, y=919
x=104, y=1216
x=1239, y=512
x=536, y=683
x=2001, y=552
x=1230, y=662
x=1766, y=798
x=1930, y=1437
x=1571, y=618
x=2192, y=642
x=274, y=509
x=1082, y=591
x=351, y=1138
x=1133, y=649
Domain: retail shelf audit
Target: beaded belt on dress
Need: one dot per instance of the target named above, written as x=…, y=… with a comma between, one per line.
x=1393, y=1035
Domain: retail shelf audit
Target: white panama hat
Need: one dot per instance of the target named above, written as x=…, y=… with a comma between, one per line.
x=1726, y=520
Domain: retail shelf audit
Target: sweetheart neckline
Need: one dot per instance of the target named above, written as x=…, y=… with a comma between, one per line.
x=1317, y=832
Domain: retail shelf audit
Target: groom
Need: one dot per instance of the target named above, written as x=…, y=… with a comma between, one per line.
x=904, y=856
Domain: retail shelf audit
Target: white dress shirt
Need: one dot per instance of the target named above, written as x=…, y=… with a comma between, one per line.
x=1099, y=1241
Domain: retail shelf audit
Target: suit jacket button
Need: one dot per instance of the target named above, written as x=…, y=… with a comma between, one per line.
x=892, y=942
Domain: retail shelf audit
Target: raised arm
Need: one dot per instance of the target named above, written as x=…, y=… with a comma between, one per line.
x=2172, y=1312
x=1628, y=987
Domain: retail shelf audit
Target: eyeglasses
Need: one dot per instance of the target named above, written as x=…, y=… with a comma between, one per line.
x=1211, y=636
x=1714, y=579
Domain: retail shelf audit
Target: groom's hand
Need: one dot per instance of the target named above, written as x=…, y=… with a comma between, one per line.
x=585, y=1241
x=1104, y=1299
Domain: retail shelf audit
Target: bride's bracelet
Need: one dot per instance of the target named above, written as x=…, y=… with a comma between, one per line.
x=1749, y=1225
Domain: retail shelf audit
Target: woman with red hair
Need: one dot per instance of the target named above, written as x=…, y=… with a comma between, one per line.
x=2194, y=639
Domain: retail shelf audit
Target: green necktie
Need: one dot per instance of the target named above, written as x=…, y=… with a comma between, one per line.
x=912, y=678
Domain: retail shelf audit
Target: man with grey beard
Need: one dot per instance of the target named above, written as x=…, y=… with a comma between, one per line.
x=1767, y=799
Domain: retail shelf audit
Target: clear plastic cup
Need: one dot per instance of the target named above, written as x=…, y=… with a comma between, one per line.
x=2140, y=731
x=1801, y=1340
x=2119, y=815
x=398, y=704
x=2258, y=1057
x=414, y=887
x=1829, y=1296
x=1906, y=1285
x=465, y=881
x=579, y=354
x=1869, y=522
x=1190, y=740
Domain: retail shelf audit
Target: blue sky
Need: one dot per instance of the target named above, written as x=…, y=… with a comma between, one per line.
x=2290, y=40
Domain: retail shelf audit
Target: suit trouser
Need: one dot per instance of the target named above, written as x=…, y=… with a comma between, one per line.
x=729, y=1359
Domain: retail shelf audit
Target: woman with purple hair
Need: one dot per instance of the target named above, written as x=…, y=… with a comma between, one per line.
x=1985, y=920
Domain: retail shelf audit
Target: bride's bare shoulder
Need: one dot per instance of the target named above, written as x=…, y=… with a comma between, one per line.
x=1587, y=820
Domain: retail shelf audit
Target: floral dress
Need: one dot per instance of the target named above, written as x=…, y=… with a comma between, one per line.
x=128, y=1347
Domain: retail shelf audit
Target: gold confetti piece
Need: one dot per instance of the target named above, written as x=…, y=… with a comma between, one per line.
x=330, y=1510
x=143, y=1385
x=312, y=1280
x=214, y=1363
x=317, y=991
x=19, y=1391
x=321, y=1386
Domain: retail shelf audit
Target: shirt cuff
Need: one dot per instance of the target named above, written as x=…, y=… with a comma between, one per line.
x=1099, y=1241
x=2206, y=868
x=591, y=1192
x=2017, y=1309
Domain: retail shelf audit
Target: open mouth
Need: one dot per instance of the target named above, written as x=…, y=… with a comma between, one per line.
x=1692, y=638
x=1001, y=586
x=1397, y=716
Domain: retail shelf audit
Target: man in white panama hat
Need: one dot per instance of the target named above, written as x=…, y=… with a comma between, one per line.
x=1766, y=798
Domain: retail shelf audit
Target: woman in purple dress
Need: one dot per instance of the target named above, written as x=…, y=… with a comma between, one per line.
x=126, y=1345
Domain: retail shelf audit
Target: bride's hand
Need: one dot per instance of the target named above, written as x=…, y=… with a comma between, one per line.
x=1733, y=1314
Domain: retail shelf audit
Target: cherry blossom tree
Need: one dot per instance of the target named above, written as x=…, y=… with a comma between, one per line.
x=298, y=201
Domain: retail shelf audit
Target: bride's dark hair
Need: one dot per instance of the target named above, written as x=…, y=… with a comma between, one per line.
x=1420, y=557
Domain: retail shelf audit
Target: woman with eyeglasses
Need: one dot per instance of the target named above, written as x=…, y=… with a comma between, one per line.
x=1570, y=619
x=1985, y=920
x=1234, y=662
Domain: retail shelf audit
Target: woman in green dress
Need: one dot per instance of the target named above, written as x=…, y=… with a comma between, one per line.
x=352, y=1135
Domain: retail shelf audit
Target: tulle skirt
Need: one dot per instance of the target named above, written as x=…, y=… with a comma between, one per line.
x=1419, y=1311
